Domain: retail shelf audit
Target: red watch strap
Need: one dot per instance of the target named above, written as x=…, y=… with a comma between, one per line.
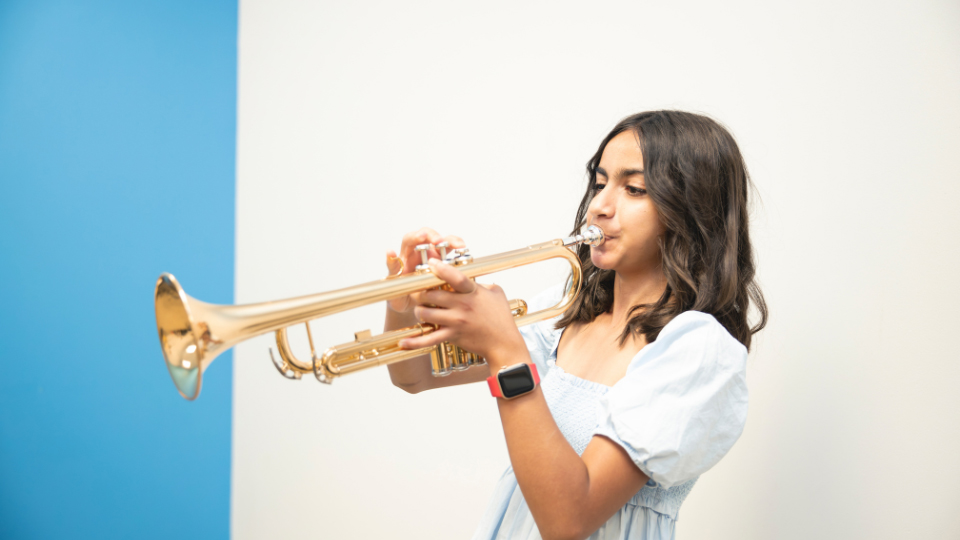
x=494, y=386
x=536, y=376
x=494, y=383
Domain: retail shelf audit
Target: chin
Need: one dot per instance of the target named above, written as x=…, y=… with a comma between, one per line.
x=600, y=261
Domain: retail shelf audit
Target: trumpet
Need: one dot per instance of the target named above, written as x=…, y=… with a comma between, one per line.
x=193, y=333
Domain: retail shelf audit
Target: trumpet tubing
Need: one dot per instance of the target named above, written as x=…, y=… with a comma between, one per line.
x=192, y=333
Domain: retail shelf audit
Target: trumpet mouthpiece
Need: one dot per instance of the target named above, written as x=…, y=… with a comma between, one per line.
x=590, y=235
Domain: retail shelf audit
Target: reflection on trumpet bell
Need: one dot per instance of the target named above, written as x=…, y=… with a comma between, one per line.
x=192, y=333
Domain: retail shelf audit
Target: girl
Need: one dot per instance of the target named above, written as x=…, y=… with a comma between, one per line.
x=644, y=382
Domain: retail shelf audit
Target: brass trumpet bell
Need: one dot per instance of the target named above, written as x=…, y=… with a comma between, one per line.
x=188, y=345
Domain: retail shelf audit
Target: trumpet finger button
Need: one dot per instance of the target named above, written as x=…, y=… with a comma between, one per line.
x=422, y=249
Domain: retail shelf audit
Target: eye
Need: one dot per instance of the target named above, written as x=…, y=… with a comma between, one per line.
x=636, y=191
x=598, y=186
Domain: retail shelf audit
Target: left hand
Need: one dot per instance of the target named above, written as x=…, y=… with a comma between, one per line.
x=474, y=317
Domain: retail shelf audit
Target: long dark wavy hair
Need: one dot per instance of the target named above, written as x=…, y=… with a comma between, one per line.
x=696, y=177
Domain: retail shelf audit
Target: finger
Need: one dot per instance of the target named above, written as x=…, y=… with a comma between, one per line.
x=424, y=235
x=492, y=287
x=437, y=298
x=437, y=316
x=394, y=263
x=455, y=278
x=431, y=235
x=455, y=241
x=433, y=338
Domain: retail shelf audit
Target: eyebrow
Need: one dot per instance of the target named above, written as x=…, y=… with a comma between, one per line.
x=621, y=173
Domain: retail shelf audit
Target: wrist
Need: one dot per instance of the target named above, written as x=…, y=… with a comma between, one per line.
x=400, y=305
x=514, y=381
x=398, y=319
x=397, y=312
x=510, y=352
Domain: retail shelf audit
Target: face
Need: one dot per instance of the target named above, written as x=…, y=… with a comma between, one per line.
x=624, y=210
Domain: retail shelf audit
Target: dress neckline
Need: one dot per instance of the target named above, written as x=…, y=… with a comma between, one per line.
x=593, y=386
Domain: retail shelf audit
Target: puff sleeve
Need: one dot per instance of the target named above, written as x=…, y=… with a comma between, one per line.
x=682, y=403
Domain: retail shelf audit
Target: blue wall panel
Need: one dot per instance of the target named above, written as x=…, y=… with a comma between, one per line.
x=117, y=152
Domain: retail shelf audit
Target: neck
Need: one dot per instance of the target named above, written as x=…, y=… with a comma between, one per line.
x=642, y=287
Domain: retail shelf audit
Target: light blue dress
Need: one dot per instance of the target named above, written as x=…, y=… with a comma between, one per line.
x=678, y=410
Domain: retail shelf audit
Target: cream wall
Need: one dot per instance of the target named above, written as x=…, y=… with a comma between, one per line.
x=360, y=121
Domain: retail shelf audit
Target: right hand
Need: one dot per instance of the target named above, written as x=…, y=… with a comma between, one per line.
x=407, y=261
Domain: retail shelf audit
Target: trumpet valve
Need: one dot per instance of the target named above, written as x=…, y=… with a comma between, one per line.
x=441, y=361
x=459, y=360
x=459, y=257
x=423, y=250
x=475, y=359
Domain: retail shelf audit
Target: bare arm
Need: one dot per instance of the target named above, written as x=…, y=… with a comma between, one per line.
x=569, y=496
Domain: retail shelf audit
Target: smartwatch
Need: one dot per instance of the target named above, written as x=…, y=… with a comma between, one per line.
x=514, y=381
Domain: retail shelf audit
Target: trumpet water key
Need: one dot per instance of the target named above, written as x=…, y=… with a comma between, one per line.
x=192, y=333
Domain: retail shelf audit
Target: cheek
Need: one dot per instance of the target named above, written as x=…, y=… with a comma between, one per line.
x=658, y=224
x=643, y=221
x=646, y=229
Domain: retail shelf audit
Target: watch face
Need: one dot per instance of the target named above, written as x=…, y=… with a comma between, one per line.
x=516, y=381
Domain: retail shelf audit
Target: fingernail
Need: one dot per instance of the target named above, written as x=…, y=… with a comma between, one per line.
x=402, y=344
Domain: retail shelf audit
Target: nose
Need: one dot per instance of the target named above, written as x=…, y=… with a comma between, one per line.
x=603, y=204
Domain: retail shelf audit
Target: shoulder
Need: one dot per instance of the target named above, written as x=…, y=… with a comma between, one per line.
x=701, y=326
x=698, y=337
x=683, y=402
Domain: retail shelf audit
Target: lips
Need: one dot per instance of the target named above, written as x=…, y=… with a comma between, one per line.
x=605, y=243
